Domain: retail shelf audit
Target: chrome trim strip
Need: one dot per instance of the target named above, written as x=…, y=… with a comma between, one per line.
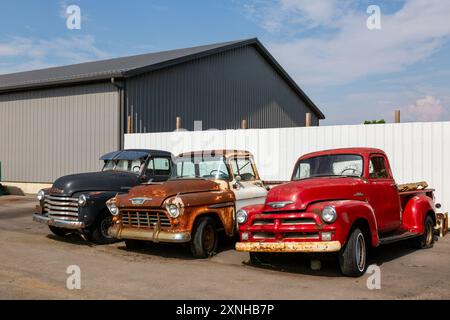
x=61, y=198
x=221, y=205
x=58, y=208
x=62, y=203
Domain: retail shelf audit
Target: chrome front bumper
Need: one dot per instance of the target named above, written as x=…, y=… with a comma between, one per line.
x=59, y=223
x=119, y=232
x=309, y=247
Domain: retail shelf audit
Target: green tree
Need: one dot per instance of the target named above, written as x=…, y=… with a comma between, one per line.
x=374, y=121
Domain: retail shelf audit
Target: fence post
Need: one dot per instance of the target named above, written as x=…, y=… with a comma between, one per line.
x=308, y=119
x=397, y=116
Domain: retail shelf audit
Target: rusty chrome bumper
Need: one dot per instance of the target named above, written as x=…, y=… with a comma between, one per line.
x=59, y=223
x=320, y=246
x=119, y=232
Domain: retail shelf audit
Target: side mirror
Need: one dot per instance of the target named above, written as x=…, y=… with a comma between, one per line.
x=143, y=178
x=238, y=182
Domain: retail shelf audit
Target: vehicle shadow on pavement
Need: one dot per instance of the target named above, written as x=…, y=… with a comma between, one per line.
x=72, y=238
x=392, y=251
x=298, y=263
x=174, y=251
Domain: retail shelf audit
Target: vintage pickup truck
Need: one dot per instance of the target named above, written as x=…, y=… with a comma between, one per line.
x=78, y=202
x=198, y=201
x=341, y=201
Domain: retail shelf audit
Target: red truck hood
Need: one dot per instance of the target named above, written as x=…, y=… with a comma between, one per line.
x=155, y=194
x=303, y=192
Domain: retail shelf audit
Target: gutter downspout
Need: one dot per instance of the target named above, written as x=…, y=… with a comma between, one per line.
x=120, y=85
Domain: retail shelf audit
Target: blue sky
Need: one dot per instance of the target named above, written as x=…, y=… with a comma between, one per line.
x=350, y=72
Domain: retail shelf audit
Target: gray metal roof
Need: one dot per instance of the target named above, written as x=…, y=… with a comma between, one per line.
x=133, y=65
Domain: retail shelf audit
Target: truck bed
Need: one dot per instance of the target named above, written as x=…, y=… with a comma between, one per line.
x=409, y=190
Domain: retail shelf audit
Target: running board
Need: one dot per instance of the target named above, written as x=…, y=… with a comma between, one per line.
x=398, y=237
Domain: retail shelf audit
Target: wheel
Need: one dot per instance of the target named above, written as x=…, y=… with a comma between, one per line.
x=59, y=231
x=426, y=240
x=99, y=231
x=352, y=258
x=204, y=242
x=259, y=258
x=134, y=244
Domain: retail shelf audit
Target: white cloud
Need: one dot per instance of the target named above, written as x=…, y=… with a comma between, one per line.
x=41, y=53
x=428, y=108
x=347, y=51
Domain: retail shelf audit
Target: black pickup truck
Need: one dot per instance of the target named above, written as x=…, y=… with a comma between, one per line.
x=77, y=202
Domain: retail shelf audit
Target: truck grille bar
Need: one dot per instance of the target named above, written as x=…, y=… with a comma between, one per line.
x=61, y=207
x=145, y=219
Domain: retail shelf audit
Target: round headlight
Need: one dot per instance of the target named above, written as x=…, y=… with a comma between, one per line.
x=40, y=195
x=82, y=200
x=112, y=207
x=329, y=214
x=241, y=216
x=173, y=210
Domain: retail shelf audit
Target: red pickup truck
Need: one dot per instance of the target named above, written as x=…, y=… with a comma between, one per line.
x=342, y=201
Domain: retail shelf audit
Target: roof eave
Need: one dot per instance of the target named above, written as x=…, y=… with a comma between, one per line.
x=61, y=83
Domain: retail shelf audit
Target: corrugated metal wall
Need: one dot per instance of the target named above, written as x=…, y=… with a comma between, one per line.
x=45, y=134
x=417, y=151
x=219, y=90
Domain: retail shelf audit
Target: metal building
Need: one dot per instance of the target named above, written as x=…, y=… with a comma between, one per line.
x=59, y=120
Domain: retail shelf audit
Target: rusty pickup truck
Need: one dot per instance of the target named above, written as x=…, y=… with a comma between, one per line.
x=198, y=201
x=342, y=201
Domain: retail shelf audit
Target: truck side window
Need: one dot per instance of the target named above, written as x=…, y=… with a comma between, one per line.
x=158, y=167
x=377, y=168
x=243, y=167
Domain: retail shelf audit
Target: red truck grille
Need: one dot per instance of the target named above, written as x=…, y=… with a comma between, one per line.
x=286, y=221
x=290, y=226
x=286, y=235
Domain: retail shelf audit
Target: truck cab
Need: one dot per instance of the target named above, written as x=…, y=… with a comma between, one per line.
x=342, y=201
x=77, y=202
x=198, y=201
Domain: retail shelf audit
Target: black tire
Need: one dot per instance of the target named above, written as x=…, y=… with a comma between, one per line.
x=259, y=258
x=426, y=240
x=353, y=257
x=205, y=239
x=134, y=244
x=61, y=232
x=99, y=231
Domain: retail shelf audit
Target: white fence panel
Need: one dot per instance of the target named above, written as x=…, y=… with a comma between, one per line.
x=417, y=151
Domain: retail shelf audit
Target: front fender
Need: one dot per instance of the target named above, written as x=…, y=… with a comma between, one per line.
x=96, y=203
x=415, y=212
x=251, y=211
x=349, y=212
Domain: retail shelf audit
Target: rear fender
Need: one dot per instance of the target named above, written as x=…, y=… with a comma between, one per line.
x=349, y=212
x=415, y=212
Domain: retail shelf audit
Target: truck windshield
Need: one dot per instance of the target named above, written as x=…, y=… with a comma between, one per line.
x=124, y=165
x=330, y=165
x=200, y=167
